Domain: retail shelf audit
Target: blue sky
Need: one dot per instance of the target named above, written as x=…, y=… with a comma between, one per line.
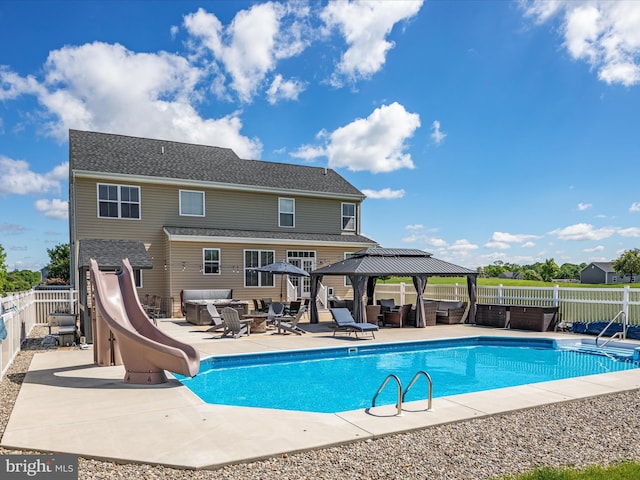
x=480, y=131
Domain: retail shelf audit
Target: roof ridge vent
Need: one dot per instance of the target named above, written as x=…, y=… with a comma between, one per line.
x=162, y=148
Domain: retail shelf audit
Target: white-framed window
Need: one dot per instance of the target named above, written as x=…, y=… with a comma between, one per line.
x=347, y=280
x=192, y=203
x=211, y=261
x=286, y=212
x=118, y=201
x=254, y=259
x=349, y=216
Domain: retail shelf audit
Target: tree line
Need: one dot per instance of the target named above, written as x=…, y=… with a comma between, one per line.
x=22, y=280
x=627, y=264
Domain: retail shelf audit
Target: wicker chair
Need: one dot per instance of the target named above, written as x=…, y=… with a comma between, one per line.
x=373, y=314
x=430, y=313
x=397, y=318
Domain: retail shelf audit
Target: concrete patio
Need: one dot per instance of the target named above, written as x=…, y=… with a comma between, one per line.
x=68, y=405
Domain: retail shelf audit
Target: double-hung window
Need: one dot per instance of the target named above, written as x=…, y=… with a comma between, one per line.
x=254, y=259
x=349, y=216
x=286, y=212
x=192, y=203
x=118, y=201
x=211, y=261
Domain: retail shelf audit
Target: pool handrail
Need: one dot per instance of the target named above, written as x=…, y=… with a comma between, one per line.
x=384, y=384
x=617, y=334
x=414, y=380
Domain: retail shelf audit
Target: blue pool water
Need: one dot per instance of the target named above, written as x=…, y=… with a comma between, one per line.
x=346, y=378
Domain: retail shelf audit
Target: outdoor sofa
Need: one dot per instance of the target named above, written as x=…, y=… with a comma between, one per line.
x=449, y=311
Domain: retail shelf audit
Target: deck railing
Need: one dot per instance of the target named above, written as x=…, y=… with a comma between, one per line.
x=21, y=311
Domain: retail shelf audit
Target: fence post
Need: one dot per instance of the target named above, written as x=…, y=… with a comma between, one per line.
x=556, y=295
x=625, y=302
x=500, y=294
x=402, y=293
x=455, y=292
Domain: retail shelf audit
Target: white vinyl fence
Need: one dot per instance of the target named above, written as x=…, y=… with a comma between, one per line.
x=20, y=312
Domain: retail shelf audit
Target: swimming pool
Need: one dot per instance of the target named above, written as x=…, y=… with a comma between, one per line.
x=332, y=380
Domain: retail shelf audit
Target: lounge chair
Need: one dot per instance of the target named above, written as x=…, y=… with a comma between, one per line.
x=292, y=326
x=344, y=322
x=232, y=323
x=216, y=320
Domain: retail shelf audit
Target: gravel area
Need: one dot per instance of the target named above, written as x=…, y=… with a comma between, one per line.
x=599, y=430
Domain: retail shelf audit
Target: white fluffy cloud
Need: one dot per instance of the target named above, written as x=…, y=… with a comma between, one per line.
x=281, y=89
x=365, y=26
x=635, y=207
x=598, y=248
x=584, y=206
x=56, y=208
x=605, y=34
x=385, y=193
x=375, y=143
x=583, y=231
x=249, y=48
x=18, y=179
x=462, y=246
x=629, y=232
x=437, y=135
x=108, y=88
x=504, y=237
x=497, y=245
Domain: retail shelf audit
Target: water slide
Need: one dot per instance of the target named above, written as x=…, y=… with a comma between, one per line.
x=123, y=333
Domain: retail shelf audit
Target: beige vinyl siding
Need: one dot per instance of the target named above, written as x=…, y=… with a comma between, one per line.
x=186, y=269
x=224, y=209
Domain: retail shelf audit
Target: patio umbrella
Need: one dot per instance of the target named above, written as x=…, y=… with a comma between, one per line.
x=283, y=268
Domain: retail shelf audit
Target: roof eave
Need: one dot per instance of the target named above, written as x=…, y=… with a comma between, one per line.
x=123, y=177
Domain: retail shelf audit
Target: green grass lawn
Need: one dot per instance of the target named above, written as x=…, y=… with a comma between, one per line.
x=503, y=281
x=620, y=471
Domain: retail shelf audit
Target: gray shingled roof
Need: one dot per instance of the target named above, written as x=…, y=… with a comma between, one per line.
x=605, y=266
x=109, y=253
x=393, y=261
x=108, y=153
x=293, y=236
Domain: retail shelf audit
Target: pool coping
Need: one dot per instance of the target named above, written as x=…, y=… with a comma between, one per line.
x=91, y=413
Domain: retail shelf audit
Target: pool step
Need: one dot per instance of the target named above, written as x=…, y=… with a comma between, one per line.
x=607, y=351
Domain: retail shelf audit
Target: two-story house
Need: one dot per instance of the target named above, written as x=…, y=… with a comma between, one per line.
x=199, y=217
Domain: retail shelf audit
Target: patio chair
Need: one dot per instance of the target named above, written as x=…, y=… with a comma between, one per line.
x=344, y=322
x=265, y=302
x=153, y=309
x=232, y=323
x=216, y=320
x=293, y=308
x=397, y=318
x=276, y=309
x=373, y=314
x=292, y=326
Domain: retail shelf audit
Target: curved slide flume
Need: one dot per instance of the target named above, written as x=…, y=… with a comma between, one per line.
x=145, y=350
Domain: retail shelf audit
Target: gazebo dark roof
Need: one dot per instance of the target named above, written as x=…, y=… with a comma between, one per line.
x=401, y=262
